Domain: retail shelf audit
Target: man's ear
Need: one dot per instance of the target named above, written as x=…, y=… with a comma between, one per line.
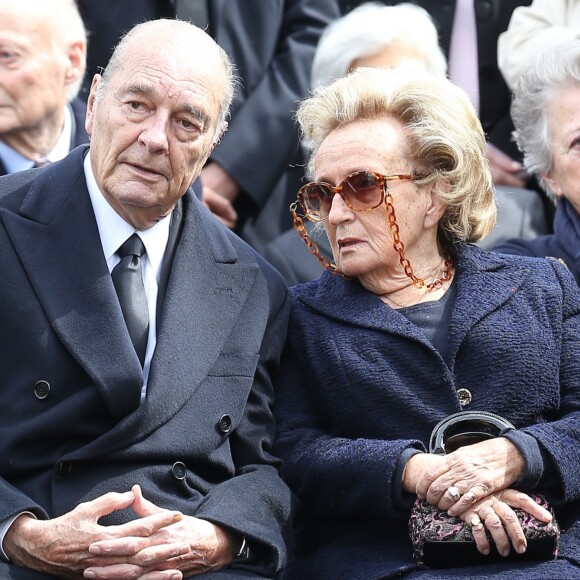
x=552, y=183
x=77, y=57
x=220, y=135
x=89, y=120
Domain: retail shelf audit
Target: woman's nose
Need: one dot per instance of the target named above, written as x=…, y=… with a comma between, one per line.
x=339, y=210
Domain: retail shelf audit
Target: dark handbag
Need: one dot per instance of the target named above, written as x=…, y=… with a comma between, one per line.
x=443, y=541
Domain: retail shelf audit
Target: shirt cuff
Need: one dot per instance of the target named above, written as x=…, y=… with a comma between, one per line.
x=4, y=527
x=529, y=447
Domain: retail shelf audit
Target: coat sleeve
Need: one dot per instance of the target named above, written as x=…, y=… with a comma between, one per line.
x=561, y=436
x=256, y=502
x=532, y=30
x=262, y=139
x=333, y=476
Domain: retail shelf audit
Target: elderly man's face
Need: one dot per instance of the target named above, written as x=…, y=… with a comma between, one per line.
x=564, y=127
x=34, y=71
x=154, y=128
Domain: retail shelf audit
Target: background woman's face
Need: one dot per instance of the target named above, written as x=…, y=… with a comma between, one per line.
x=361, y=241
x=564, y=129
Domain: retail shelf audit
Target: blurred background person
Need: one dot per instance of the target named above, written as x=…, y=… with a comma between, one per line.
x=42, y=63
x=255, y=170
x=410, y=324
x=546, y=113
x=533, y=29
x=468, y=32
x=384, y=36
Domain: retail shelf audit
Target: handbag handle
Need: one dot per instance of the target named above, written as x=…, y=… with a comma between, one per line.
x=465, y=428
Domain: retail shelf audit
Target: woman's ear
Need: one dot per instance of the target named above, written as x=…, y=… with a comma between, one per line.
x=435, y=206
x=552, y=183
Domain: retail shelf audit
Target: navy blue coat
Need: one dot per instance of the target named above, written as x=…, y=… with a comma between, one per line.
x=201, y=441
x=360, y=385
x=563, y=244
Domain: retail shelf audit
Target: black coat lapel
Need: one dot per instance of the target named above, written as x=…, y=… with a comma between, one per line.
x=57, y=240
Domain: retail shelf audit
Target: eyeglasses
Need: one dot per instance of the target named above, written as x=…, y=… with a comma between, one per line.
x=361, y=191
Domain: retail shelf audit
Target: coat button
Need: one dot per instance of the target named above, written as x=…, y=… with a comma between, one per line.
x=41, y=390
x=179, y=470
x=64, y=467
x=225, y=424
x=464, y=397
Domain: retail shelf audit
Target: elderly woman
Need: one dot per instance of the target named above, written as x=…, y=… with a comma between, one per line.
x=379, y=36
x=412, y=323
x=546, y=114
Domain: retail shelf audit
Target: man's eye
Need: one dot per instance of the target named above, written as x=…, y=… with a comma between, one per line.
x=135, y=105
x=188, y=125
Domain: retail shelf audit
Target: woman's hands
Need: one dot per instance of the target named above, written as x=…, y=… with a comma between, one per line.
x=476, y=471
x=494, y=513
x=481, y=474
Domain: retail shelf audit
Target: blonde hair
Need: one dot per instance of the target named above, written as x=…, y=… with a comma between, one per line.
x=444, y=138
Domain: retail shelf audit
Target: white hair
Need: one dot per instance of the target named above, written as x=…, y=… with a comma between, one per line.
x=370, y=28
x=554, y=71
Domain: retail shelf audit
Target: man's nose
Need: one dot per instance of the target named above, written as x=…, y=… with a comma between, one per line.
x=155, y=133
x=339, y=210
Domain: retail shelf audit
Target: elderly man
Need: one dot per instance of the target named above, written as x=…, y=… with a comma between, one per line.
x=42, y=63
x=135, y=391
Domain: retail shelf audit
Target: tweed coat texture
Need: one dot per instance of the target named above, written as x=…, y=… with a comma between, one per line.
x=201, y=441
x=359, y=385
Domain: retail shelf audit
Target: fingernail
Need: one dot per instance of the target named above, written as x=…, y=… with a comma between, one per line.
x=486, y=551
x=96, y=550
x=521, y=548
x=505, y=552
x=89, y=574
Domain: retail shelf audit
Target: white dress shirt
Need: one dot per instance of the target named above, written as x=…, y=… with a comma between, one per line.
x=114, y=231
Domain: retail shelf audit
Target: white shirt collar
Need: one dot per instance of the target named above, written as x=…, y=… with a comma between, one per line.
x=114, y=230
x=14, y=161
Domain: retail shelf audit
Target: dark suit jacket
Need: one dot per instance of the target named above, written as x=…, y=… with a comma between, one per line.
x=272, y=44
x=201, y=441
x=79, y=136
x=492, y=18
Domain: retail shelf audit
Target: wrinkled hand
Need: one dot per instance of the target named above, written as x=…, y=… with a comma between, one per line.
x=219, y=193
x=495, y=514
x=61, y=546
x=185, y=548
x=504, y=170
x=475, y=470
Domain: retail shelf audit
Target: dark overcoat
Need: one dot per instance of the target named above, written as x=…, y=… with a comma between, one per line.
x=360, y=385
x=201, y=441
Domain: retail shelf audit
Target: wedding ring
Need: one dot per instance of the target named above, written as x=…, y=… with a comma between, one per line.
x=453, y=493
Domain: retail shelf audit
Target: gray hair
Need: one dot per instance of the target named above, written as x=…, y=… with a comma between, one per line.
x=443, y=138
x=370, y=28
x=552, y=72
x=173, y=27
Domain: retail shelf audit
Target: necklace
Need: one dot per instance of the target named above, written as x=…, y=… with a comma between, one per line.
x=426, y=288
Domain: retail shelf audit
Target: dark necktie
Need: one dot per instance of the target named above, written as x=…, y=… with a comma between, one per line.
x=128, y=281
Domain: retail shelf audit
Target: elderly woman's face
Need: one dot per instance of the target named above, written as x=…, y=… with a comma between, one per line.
x=361, y=241
x=564, y=127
